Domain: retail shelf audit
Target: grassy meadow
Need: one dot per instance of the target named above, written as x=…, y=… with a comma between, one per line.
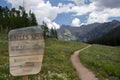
x=56, y=61
x=104, y=61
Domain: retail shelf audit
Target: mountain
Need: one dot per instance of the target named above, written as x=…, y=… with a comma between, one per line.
x=111, y=38
x=86, y=33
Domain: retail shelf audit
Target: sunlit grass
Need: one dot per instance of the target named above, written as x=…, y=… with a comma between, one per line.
x=103, y=60
x=56, y=61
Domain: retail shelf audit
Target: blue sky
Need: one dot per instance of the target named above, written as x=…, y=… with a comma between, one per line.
x=56, y=2
x=4, y=3
x=69, y=12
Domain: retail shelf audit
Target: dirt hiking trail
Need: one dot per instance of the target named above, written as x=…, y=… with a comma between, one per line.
x=83, y=72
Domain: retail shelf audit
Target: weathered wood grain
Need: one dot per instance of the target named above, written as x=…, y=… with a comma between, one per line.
x=26, y=49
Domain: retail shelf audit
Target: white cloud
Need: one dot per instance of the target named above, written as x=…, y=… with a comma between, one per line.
x=65, y=8
x=44, y=10
x=80, y=10
x=100, y=10
x=51, y=24
x=103, y=16
x=107, y=3
x=55, y=25
x=39, y=7
x=76, y=22
x=79, y=2
x=97, y=17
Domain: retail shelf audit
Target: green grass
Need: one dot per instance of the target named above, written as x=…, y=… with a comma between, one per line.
x=103, y=60
x=56, y=62
x=3, y=37
x=3, y=44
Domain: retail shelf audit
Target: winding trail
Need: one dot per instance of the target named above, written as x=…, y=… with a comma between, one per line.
x=83, y=72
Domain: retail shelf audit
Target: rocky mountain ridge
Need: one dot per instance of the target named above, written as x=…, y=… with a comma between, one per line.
x=86, y=33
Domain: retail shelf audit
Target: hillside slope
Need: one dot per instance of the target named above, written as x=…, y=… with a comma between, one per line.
x=111, y=38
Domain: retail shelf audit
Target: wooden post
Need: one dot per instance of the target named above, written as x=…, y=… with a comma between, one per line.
x=25, y=78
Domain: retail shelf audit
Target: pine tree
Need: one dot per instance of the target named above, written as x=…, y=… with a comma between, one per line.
x=32, y=19
x=45, y=30
x=1, y=18
x=56, y=36
x=6, y=18
x=53, y=33
x=11, y=19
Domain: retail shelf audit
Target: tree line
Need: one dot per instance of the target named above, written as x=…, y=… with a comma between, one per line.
x=16, y=18
x=19, y=18
x=48, y=33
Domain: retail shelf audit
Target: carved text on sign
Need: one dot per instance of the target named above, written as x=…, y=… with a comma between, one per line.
x=26, y=48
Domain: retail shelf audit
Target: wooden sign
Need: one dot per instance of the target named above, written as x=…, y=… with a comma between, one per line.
x=26, y=48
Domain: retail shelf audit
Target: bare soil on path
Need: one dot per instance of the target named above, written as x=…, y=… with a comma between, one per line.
x=82, y=71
